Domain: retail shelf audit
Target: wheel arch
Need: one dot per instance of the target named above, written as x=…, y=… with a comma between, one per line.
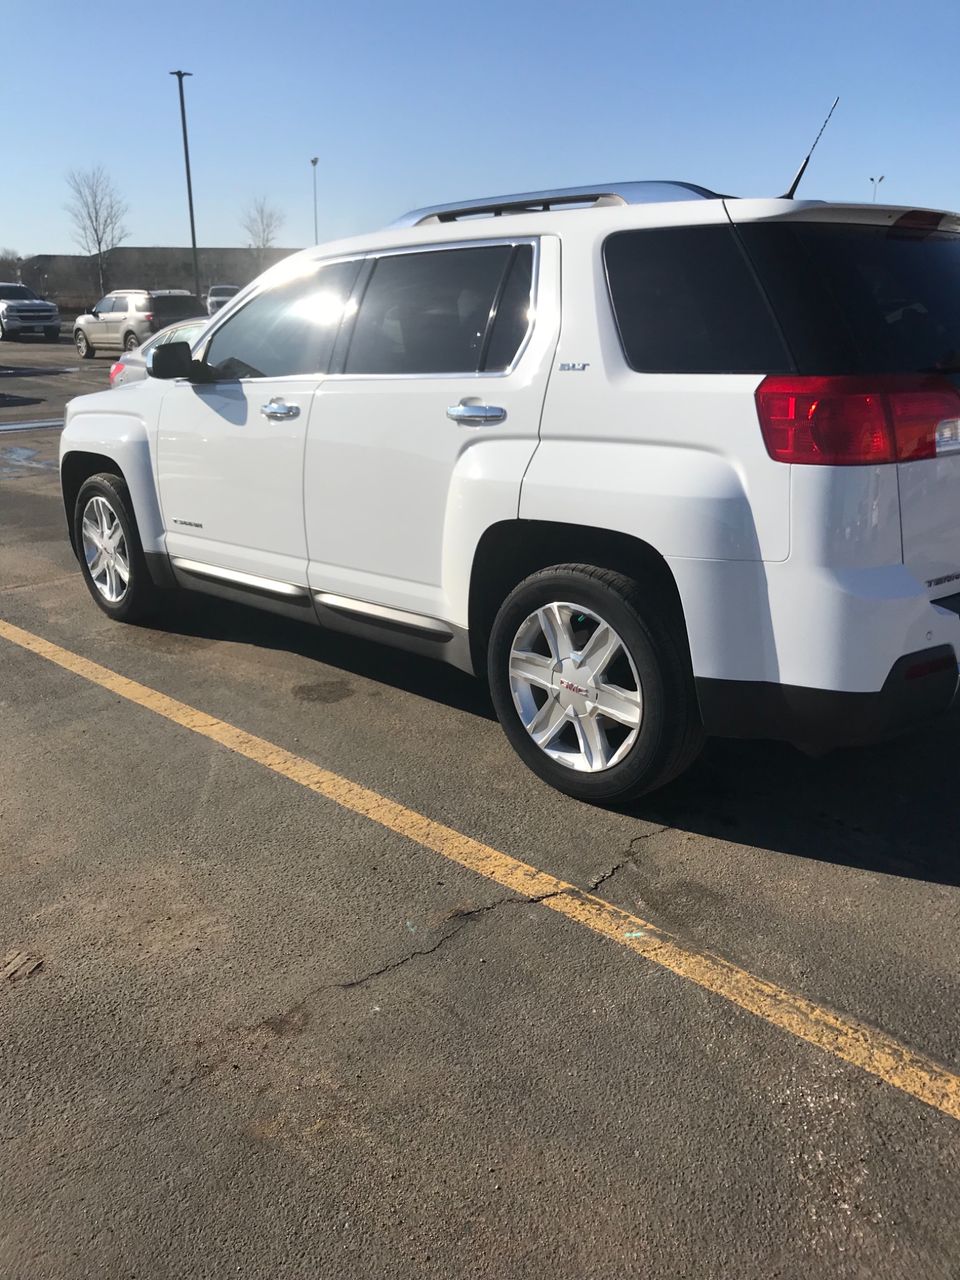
x=511, y=550
x=76, y=467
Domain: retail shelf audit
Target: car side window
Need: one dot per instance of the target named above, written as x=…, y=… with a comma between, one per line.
x=514, y=313
x=104, y=305
x=143, y=304
x=121, y=304
x=427, y=313
x=286, y=330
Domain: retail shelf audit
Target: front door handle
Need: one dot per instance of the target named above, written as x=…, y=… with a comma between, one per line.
x=475, y=415
x=277, y=409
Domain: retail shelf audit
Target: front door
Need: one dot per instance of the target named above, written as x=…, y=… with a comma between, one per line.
x=230, y=447
x=112, y=321
x=420, y=441
x=97, y=327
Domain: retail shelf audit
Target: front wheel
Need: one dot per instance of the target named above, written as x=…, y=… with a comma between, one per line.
x=591, y=681
x=84, y=349
x=52, y=333
x=109, y=549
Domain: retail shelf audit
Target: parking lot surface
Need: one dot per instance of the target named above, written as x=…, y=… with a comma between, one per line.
x=37, y=378
x=283, y=1026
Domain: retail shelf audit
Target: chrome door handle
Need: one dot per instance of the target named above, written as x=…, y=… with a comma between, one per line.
x=476, y=415
x=277, y=409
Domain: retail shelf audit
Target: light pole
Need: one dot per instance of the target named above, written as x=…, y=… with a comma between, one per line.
x=186, y=160
x=876, y=182
x=313, y=162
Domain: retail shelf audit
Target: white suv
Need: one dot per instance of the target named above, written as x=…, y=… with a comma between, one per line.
x=659, y=463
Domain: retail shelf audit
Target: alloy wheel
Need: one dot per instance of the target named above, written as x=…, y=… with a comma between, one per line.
x=105, y=549
x=575, y=687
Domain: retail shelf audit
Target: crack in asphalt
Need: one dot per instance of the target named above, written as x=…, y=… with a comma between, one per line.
x=462, y=916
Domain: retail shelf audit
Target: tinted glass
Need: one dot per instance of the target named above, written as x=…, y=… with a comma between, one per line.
x=10, y=292
x=427, y=312
x=288, y=329
x=513, y=312
x=175, y=306
x=142, y=304
x=861, y=299
x=686, y=301
x=120, y=304
x=104, y=305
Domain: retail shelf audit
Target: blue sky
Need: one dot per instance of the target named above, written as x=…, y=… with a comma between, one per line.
x=426, y=101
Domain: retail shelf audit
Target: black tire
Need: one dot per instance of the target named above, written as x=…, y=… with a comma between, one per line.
x=52, y=333
x=141, y=595
x=670, y=732
x=130, y=342
x=84, y=350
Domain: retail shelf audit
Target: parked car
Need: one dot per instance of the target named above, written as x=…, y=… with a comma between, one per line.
x=21, y=311
x=132, y=365
x=707, y=486
x=218, y=295
x=126, y=318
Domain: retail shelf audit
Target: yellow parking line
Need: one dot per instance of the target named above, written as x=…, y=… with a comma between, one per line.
x=853, y=1042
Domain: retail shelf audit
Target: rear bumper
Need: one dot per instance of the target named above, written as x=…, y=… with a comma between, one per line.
x=919, y=688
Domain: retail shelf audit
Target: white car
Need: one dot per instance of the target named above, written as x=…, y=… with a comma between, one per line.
x=133, y=364
x=657, y=463
x=218, y=295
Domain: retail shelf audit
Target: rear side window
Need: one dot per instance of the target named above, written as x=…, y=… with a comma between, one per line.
x=286, y=330
x=861, y=299
x=427, y=313
x=120, y=304
x=513, y=315
x=142, y=304
x=686, y=301
x=169, y=307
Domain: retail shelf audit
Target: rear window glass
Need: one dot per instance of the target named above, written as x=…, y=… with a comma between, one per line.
x=686, y=301
x=859, y=299
x=176, y=306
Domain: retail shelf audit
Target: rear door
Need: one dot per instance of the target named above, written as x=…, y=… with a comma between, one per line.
x=420, y=440
x=876, y=291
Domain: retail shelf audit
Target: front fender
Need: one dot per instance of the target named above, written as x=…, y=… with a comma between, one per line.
x=110, y=426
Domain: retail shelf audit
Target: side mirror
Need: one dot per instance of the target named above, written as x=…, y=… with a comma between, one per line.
x=171, y=360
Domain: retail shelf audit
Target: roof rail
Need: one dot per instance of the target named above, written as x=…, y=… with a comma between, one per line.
x=599, y=194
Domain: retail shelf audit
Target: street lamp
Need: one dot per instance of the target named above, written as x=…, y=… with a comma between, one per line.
x=876, y=182
x=313, y=162
x=186, y=160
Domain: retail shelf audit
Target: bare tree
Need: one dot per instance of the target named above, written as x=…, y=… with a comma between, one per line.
x=9, y=264
x=98, y=213
x=261, y=221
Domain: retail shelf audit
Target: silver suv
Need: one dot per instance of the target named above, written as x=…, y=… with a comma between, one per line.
x=125, y=318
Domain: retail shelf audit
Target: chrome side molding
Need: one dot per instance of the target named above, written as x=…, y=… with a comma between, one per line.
x=237, y=579
x=363, y=609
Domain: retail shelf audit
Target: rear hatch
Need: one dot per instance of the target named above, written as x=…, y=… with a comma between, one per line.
x=168, y=308
x=875, y=292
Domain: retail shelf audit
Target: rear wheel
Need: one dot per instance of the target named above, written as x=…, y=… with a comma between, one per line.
x=131, y=342
x=592, y=684
x=109, y=549
x=84, y=349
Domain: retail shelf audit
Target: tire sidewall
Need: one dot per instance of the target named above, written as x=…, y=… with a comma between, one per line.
x=134, y=601
x=646, y=755
x=84, y=350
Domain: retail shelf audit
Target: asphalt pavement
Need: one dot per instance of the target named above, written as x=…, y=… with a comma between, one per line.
x=271, y=1036
x=37, y=378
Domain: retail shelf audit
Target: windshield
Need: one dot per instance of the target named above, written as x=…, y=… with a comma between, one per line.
x=11, y=292
x=224, y=290
x=861, y=299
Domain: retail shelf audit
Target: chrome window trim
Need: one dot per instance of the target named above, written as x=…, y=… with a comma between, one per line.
x=371, y=255
x=431, y=247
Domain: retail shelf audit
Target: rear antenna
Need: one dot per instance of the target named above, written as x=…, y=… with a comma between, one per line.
x=788, y=195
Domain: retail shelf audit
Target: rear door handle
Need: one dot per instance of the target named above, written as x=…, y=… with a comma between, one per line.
x=277, y=409
x=476, y=415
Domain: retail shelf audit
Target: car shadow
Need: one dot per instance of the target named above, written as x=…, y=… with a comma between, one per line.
x=214, y=619
x=888, y=808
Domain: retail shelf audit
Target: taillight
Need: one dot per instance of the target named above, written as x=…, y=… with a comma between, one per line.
x=114, y=370
x=852, y=421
